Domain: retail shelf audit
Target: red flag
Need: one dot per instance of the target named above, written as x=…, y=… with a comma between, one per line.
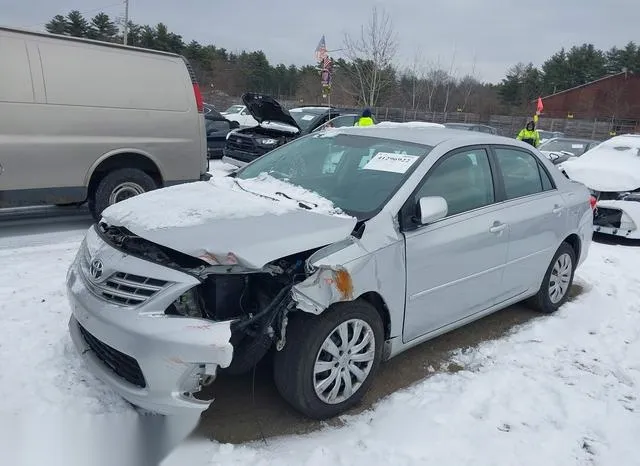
x=540, y=106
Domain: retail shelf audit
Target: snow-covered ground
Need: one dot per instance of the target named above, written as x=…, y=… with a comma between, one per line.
x=561, y=390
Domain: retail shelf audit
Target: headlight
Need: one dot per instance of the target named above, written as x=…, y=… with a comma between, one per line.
x=187, y=305
x=267, y=141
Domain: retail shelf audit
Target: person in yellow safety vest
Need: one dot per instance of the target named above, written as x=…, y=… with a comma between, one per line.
x=365, y=119
x=529, y=134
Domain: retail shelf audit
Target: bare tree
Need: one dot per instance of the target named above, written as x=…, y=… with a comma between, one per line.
x=450, y=83
x=415, y=72
x=467, y=84
x=435, y=76
x=371, y=54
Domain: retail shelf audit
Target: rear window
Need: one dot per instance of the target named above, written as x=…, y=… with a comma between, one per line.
x=95, y=76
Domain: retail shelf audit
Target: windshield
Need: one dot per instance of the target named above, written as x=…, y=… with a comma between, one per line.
x=234, y=109
x=305, y=120
x=359, y=174
x=575, y=147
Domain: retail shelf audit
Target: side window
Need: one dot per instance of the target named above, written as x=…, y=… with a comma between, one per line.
x=463, y=179
x=522, y=174
x=547, y=184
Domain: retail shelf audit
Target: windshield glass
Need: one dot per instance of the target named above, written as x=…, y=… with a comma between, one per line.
x=359, y=174
x=305, y=120
x=234, y=109
x=567, y=145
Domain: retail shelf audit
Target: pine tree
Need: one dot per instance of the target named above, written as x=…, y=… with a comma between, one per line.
x=58, y=25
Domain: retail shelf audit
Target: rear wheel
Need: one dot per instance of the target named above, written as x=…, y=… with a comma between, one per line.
x=117, y=186
x=330, y=360
x=557, y=282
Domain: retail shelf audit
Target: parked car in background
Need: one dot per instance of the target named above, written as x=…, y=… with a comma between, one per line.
x=341, y=121
x=208, y=108
x=415, y=231
x=472, y=127
x=611, y=171
x=276, y=127
x=559, y=150
x=83, y=120
x=217, y=128
x=546, y=135
x=241, y=114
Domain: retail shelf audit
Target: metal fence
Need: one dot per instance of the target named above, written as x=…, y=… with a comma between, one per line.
x=507, y=125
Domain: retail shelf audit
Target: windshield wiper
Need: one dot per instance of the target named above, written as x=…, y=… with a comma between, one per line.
x=303, y=204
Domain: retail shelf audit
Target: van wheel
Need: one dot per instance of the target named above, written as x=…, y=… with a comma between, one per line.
x=117, y=186
x=557, y=281
x=329, y=361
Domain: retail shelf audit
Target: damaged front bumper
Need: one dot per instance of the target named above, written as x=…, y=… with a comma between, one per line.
x=618, y=218
x=155, y=361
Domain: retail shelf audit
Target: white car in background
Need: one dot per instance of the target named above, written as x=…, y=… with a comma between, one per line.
x=241, y=114
x=611, y=171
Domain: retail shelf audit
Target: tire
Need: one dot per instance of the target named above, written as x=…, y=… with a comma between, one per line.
x=124, y=180
x=294, y=365
x=545, y=301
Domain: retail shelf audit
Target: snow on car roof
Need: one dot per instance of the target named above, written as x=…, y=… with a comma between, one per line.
x=613, y=165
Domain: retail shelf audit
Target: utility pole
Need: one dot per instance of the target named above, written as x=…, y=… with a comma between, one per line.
x=126, y=21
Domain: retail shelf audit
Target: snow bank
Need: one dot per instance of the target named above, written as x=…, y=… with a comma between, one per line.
x=41, y=370
x=562, y=390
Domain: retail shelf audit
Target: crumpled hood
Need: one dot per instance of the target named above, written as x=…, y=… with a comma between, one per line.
x=606, y=168
x=242, y=217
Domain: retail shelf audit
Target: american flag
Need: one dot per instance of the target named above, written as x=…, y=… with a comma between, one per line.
x=326, y=63
x=321, y=50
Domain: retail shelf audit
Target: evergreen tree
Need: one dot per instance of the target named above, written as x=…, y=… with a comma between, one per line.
x=77, y=25
x=58, y=25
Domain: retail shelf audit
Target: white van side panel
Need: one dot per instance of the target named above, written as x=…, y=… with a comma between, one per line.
x=66, y=105
x=97, y=76
x=16, y=85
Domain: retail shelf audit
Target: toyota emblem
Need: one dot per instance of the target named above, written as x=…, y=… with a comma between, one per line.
x=96, y=269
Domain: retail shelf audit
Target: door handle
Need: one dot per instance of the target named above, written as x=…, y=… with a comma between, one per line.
x=497, y=227
x=557, y=209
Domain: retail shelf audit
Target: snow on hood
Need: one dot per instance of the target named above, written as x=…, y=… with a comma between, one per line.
x=612, y=166
x=224, y=215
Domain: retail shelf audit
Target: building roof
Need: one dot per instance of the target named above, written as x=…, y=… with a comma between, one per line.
x=586, y=84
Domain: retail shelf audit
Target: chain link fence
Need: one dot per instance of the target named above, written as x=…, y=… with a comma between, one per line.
x=507, y=125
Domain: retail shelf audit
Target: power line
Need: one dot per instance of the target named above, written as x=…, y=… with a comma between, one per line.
x=94, y=10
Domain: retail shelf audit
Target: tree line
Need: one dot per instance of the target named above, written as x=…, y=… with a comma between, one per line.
x=366, y=75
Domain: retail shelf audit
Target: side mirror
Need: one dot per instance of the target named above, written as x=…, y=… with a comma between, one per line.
x=234, y=124
x=432, y=209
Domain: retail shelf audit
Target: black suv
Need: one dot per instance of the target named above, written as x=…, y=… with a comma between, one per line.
x=276, y=126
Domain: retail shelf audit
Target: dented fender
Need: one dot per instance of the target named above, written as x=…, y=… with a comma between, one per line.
x=345, y=271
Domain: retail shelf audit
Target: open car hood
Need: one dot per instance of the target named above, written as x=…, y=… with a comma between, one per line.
x=612, y=166
x=211, y=220
x=264, y=108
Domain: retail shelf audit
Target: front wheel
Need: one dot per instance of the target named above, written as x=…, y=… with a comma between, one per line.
x=329, y=361
x=117, y=186
x=557, y=281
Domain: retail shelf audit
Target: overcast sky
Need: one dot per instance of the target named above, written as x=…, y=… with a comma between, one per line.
x=498, y=33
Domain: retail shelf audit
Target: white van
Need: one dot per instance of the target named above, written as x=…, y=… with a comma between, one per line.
x=87, y=121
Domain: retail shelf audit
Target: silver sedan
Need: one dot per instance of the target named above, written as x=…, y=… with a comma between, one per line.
x=339, y=250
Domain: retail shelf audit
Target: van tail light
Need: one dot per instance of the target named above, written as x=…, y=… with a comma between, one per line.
x=593, y=201
x=196, y=87
x=198, y=95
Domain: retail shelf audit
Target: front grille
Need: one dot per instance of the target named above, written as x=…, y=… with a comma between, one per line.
x=122, y=365
x=241, y=143
x=121, y=288
x=607, y=217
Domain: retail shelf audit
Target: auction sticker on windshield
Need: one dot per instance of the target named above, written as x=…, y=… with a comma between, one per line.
x=307, y=117
x=388, y=162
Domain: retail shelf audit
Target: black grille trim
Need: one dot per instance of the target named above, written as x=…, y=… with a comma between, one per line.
x=122, y=365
